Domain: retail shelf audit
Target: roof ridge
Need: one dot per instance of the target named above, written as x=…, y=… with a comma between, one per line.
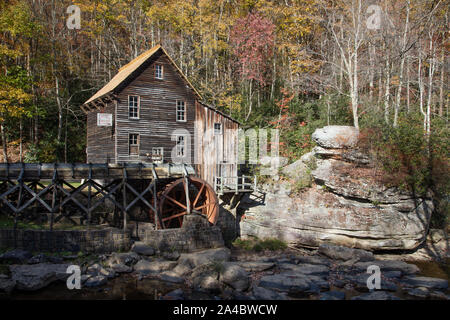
x=127, y=70
x=141, y=56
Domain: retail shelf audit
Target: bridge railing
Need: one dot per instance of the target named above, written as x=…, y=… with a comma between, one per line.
x=235, y=184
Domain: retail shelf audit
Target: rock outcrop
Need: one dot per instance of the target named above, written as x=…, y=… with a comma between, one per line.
x=37, y=276
x=344, y=205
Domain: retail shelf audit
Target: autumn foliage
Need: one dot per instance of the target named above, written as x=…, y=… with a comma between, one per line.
x=252, y=40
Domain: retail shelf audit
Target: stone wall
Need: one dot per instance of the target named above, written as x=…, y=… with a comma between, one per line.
x=196, y=233
x=94, y=241
x=227, y=224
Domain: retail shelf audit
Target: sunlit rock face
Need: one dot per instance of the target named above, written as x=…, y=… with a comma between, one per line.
x=336, y=137
x=346, y=204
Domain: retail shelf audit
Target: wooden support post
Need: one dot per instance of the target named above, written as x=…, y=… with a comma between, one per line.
x=155, y=198
x=88, y=222
x=186, y=189
x=35, y=205
x=55, y=190
x=124, y=195
x=19, y=200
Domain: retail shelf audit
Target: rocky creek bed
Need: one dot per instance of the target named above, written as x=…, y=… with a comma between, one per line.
x=329, y=273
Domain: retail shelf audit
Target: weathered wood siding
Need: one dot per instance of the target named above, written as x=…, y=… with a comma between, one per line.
x=100, y=140
x=157, y=119
x=213, y=155
x=216, y=154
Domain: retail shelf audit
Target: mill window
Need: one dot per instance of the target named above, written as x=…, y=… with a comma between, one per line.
x=133, y=107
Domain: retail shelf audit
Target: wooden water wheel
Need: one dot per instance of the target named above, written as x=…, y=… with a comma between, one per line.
x=174, y=202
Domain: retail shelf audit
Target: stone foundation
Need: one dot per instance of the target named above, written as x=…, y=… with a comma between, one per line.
x=196, y=233
x=93, y=241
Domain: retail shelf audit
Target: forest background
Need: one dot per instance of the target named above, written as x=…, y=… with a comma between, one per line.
x=294, y=65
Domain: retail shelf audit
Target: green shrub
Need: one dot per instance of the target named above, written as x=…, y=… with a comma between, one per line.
x=303, y=182
x=412, y=160
x=244, y=244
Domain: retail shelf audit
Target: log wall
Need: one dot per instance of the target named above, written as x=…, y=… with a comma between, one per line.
x=100, y=140
x=157, y=119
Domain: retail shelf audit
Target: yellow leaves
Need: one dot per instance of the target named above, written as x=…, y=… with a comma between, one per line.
x=12, y=101
x=395, y=80
x=11, y=53
x=227, y=99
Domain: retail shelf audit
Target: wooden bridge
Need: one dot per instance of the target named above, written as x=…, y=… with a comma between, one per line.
x=52, y=187
x=166, y=192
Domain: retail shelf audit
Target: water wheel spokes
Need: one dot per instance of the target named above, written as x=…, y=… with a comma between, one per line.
x=175, y=202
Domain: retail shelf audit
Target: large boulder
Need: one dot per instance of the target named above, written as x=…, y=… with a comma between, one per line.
x=309, y=269
x=292, y=282
x=206, y=278
x=336, y=137
x=126, y=258
x=344, y=253
x=256, y=266
x=297, y=171
x=37, y=276
x=205, y=257
x=17, y=256
x=427, y=282
x=95, y=281
x=142, y=249
x=345, y=205
x=235, y=276
x=388, y=266
x=144, y=266
x=98, y=270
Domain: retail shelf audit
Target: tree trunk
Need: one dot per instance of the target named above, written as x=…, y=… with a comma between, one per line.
x=60, y=110
x=250, y=100
x=442, y=83
x=421, y=90
x=430, y=85
x=20, y=139
x=387, y=93
x=371, y=72
x=402, y=64
x=408, y=97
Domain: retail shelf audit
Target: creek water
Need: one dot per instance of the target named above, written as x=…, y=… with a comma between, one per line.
x=128, y=287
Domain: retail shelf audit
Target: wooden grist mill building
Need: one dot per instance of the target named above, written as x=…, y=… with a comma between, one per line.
x=150, y=113
x=157, y=149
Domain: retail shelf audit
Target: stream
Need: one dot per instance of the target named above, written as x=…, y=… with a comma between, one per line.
x=128, y=287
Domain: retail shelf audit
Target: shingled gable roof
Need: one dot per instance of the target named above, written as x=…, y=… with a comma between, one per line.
x=127, y=72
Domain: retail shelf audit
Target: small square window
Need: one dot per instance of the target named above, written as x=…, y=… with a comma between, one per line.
x=158, y=71
x=133, y=143
x=133, y=107
x=158, y=154
x=181, y=111
x=217, y=129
